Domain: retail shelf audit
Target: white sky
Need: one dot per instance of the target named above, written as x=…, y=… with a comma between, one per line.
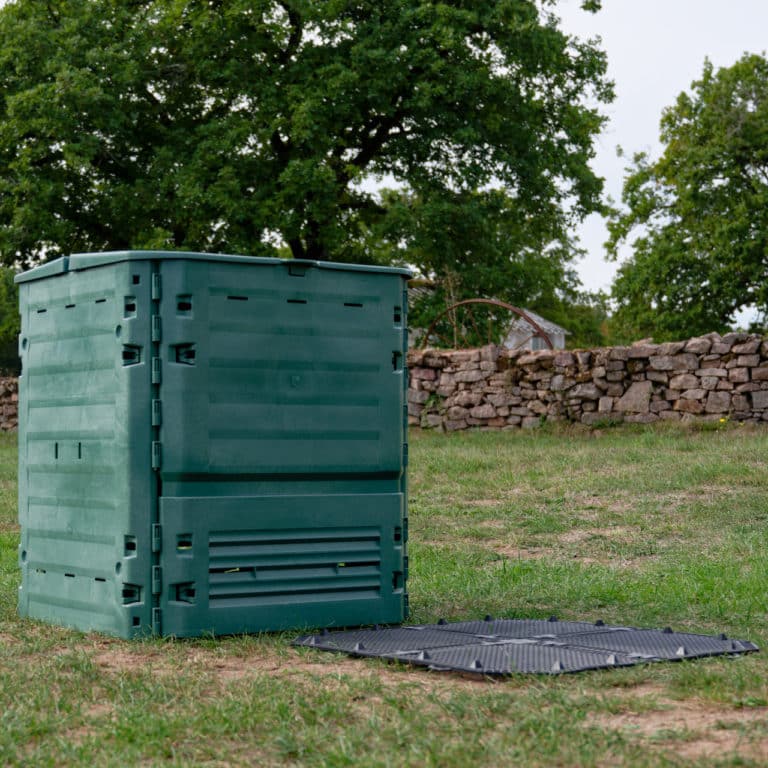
x=655, y=49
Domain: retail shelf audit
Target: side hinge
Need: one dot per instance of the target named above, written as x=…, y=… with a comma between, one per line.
x=405, y=568
x=156, y=294
x=406, y=606
x=157, y=579
x=157, y=455
x=157, y=413
x=156, y=328
x=405, y=529
x=405, y=454
x=157, y=626
x=157, y=537
x=156, y=374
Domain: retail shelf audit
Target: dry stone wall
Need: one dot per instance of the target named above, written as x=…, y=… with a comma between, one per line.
x=9, y=404
x=707, y=378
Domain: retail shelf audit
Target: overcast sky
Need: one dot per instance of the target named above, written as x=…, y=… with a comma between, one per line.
x=655, y=49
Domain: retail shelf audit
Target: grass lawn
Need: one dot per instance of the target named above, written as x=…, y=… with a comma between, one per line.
x=647, y=527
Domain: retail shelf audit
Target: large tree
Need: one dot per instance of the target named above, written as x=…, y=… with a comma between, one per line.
x=254, y=125
x=697, y=218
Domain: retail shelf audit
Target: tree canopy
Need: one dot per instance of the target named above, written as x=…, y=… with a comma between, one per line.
x=253, y=126
x=697, y=218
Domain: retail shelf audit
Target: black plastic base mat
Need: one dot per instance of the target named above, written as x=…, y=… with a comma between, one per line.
x=532, y=646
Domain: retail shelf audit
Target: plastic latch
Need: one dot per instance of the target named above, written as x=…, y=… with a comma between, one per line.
x=157, y=537
x=156, y=328
x=157, y=455
x=156, y=294
x=157, y=413
x=157, y=625
x=157, y=579
x=156, y=375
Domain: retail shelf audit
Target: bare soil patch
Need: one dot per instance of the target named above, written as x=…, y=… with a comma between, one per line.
x=695, y=729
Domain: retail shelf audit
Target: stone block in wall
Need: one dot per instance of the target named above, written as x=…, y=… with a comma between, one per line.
x=519, y=411
x=468, y=376
x=720, y=373
x=659, y=377
x=557, y=384
x=601, y=384
x=671, y=347
x=710, y=382
x=433, y=420
x=683, y=381
x=514, y=421
x=718, y=402
x=699, y=346
x=660, y=406
x=670, y=415
x=583, y=358
x=455, y=426
x=456, y=412
x=530, y=422
x=760, y=373
x=484, y=411
x=414, y=409
x=615, y=365
x=587, y=391
x=750, y=361
x=614, y=390
x=760, y=400
x=680, y=362
x=688, y=406
x=694, y=394
x=564, y=360
x=738, y=375
x=640, y=351
x=428, y=374
x=636, y=399
x=724, y=384
x=605, y=404
x=466, y=398
x=417, y=396
x=740, y=403
x=746, y=347
x=614, y=376
x=537, y=407
x=618, y=353
x=750, y=387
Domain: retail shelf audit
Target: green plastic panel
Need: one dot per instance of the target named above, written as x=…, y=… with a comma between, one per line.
x=172, y=394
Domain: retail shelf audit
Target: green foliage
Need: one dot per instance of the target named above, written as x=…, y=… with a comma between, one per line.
x=255, y=125
x=10, y=322
x=697, y=218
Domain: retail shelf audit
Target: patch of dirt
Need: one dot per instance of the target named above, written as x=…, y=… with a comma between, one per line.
x=521, y=553
x=232, y=668
x=693, y=728
x=579, y=535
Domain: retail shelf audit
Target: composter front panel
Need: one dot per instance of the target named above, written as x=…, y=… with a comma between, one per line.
x=212, y=444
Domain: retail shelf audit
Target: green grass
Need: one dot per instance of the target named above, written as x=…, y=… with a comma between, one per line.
x=649, y=527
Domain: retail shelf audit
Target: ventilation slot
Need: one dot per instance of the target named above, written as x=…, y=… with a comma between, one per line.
x=353, y=304
x=99, y=578
x=130, y=546
x=237, y=298
x=129, y=306
x=249, y=568
x=69, y=306
x=397, y=315
x=297, y=301
x=184, y=354
x=397, y=361
x=131, y=594
x=70, y=575
x=131, y=354
x=136, y=279
x=99, y=301
x=41, y=311
x=184, y=304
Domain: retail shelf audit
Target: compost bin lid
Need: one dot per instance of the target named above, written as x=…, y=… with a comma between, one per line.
x=80, y=261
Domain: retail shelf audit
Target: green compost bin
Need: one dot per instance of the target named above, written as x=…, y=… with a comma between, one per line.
x=212, y=443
